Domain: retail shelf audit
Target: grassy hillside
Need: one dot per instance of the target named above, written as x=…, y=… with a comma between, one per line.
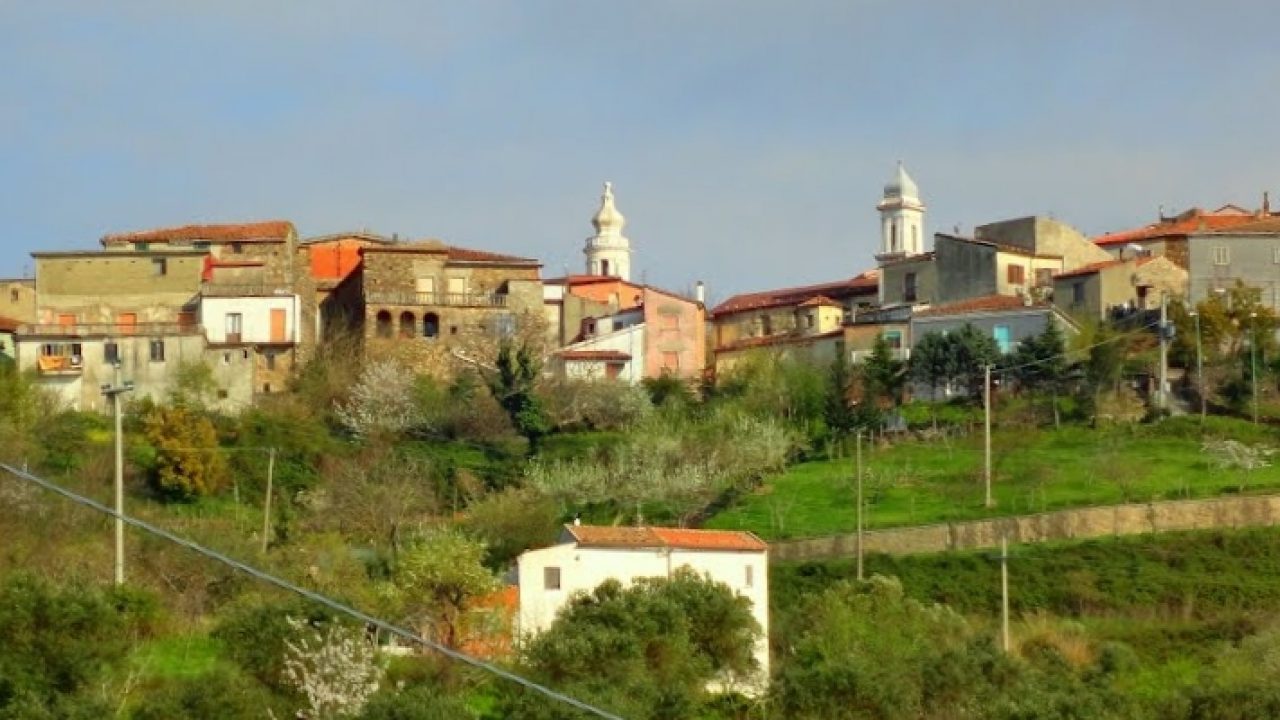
x=928, y=481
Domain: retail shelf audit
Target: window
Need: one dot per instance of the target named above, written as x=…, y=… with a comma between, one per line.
x=234, y=322
x=141, y=246
x=1077, y=293
x=159, y=266
x=1275, y=258
x=1017, y=275
x=551, y=578
x=237, y=248
x=893, y=338
x=266, y=388
x=110, y=353
x=767, y=325
x=245, y=354
x=271, y=360
x=808, y=321
x=909, y=287
x=750, y=579
x=1044, y=277
x=222, y=394
x=893, y=236
x=424, y=286
x=1222, y=255
x=13, y=295
x=157, y=351
x=200, y=245
x=430, y=325
x=1001, y=335
x=226, y=358
x=457, y=286
x=604, y=267
x=453, y=329
x=670, y=360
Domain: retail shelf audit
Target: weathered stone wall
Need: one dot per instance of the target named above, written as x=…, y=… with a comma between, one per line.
x=97, y=287
x=1111, y=520
x=18, y=299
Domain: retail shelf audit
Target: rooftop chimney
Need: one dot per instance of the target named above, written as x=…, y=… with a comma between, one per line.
x=700, y=292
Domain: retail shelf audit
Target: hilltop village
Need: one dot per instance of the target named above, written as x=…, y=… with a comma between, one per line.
x=252, y=301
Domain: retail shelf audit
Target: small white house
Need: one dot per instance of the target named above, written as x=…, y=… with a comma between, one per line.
x=586, y=556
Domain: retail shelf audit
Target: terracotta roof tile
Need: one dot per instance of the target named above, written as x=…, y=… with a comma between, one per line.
x=268, y=231
x=859, y=284
x=8, y=324
x=458, y=254
x=987, y=303
x=652, y=537
x=769, y=340
x=1193, y=220
x=1257, y=225
x=820, y=301
x=468, y=255
x=1090, y=269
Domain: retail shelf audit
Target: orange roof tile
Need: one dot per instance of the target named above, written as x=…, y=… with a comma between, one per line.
x=1193, y=220
x=454, y=253
x=820, y=300
x=616, y=355
x=768, y=340
x=268, y=231
x=1090, y=269
x=1257, y=225
x=987, y=303
x=8, y=324
x=863, y=283
x=653, y=537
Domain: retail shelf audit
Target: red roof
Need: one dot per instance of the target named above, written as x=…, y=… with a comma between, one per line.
x=766, y=341
x=988, y=303
x=269, y=231
x=8, y=324
x=468, y=255
x=1193, y=220
x=454, y=253
x=653, y=537
x=861, y=284
x=1092, y=268
x=615, y=355
x=1264, y=225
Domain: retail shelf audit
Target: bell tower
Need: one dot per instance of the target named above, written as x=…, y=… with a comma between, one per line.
x=901, y=218
x=608, y=251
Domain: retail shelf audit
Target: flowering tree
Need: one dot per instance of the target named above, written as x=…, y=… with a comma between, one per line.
x=382, y=401
x=335, y=667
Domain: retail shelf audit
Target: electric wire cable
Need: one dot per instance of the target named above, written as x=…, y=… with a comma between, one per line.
x=312, y=595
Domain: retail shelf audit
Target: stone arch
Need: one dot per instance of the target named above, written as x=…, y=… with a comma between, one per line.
x=407, y=324
x=430, y=325
x=383, y=324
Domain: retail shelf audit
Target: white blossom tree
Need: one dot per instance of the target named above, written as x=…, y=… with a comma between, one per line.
x=382, y=402
x=335, y=667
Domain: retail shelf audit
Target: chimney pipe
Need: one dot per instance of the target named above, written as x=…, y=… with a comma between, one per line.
x=700, y=292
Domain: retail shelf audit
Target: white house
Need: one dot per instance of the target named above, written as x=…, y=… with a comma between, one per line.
x=588, y=555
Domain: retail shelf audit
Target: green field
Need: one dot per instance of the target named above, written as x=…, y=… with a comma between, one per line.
x=920, y=482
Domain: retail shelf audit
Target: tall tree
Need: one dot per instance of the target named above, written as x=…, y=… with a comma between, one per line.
x=512, y=384
x=883, y=374
x=932, y=362
x=1039, y=364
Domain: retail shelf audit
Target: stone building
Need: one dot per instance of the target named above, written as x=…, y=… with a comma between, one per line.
x=438, y=308
x=1114, y=288
x=134, y=309
x=335, y=263
x=256, y=291
x=1217, y=248
x=18, y=299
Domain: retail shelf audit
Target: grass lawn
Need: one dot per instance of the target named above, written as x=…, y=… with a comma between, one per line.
x=176, y=656
x=922, y=482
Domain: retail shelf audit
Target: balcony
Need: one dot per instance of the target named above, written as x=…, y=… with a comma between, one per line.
x=60, y=364
x=81, y=330
x=437, y=299
x=244, y=290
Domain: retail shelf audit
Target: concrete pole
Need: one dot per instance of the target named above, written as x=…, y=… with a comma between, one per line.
x=1004, y=592
x=858, y=483
x=1253, y=361
x=1199, y=366
x=119, y=479
x=266, y=503
x=1162, y=394
x=986, y=420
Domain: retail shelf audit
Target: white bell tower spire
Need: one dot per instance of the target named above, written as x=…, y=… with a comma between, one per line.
x=608, y=251
x=901, y=218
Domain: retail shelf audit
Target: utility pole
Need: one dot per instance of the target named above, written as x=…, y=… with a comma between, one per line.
x=1004, y=591
x=986, y=421
x=1199, y=365
x=114, y=391
x=858, y=482
x=266, y=503
x=1162, y=395
x=1253, y=361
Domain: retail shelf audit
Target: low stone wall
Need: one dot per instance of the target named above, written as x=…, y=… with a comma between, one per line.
x=1108, y=520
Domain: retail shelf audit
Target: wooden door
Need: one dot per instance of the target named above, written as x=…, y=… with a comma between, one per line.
x=278, y=325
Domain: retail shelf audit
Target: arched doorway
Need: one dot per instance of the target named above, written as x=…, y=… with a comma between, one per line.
x=430, y=325
x=383, y=324
x=407, y=324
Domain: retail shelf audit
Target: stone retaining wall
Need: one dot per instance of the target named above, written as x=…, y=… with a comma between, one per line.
x=1109, y=520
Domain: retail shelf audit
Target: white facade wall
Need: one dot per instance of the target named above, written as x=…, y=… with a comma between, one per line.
x=629, y=340
x=255, y=315
x=583, y=569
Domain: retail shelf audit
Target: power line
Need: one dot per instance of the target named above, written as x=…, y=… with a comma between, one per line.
x=312, y=595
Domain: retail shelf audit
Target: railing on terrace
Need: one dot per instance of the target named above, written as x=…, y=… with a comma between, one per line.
x=244, y=290
x=437, y=298
x=108, y=329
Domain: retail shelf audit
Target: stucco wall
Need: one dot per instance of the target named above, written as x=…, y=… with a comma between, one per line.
x=18, y=299
x=673, y=325
x=583, y=569
x=1252, y=258
x=893, y=281
x=98, y=287
x=965, y=270
x=1132, y=519
x=1044, y=236
x=255, y=315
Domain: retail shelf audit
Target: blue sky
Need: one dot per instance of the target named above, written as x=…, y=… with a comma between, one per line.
x=747, y=141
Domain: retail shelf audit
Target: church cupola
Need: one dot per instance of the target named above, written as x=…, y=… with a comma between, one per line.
x=608, y=251
x=901, y=218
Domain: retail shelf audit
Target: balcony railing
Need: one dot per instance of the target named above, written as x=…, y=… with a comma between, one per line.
x=244, y=290
x=437, y=298
x=107, y=329
x=60, y=364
